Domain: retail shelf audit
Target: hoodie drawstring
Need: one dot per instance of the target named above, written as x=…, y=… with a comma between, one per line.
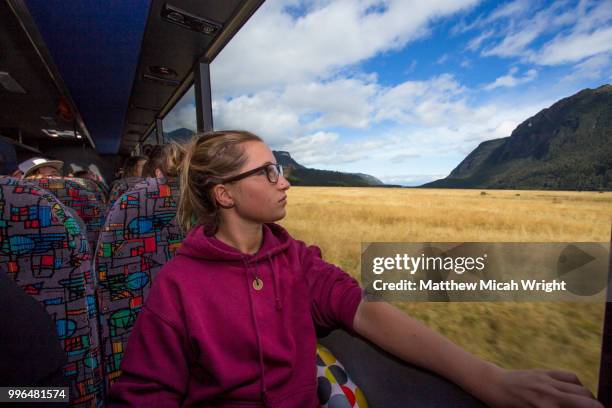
x=279, y=305
x=259, y=346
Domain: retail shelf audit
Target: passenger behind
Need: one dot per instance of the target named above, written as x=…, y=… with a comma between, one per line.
x=133, y=166
x=164, y=161
x=85, y=174
x=37, y=167
x=131, y=174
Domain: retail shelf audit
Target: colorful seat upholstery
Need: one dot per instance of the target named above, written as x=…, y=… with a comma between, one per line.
x=97, y=187
x=334, y=386
x=81, y=199
x=139, y=236
x=121, y=186
x=43, y=249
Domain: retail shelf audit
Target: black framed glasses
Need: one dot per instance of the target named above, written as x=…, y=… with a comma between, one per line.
x=273, y=172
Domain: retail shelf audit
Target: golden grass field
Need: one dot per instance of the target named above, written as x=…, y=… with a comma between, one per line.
x=514, y=335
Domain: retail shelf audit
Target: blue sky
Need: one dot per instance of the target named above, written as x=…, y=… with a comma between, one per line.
x=402, y=90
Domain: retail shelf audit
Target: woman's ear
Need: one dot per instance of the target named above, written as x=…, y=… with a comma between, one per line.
x=223, y=196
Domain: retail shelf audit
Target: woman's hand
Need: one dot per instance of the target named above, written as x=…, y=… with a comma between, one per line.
x=536, y=388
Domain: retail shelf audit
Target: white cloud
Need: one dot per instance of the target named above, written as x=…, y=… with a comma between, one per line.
x=514, y=44
x=476, y=42
x=410, y=179
x=513, y=9
x=262, y=113
x=342, y=102
x=274, y=48
x=432, y=102
x=326, y=148
x=516, y=30
x=575, y=47
x=510, y=80
x=443, y=58
x=592, y=68
x=400, y=158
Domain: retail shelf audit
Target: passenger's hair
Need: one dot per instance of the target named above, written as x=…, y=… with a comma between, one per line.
x=81, y=173
x=209, y=157
x=130, y=164
x=166, y=157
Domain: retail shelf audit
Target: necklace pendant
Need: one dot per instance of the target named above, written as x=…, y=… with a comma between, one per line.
x=257, y=284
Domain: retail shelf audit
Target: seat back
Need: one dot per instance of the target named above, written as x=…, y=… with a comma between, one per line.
x=97, y=187
x=44, y=250
x=140, y=234
x=84, y=201
x=121, y=186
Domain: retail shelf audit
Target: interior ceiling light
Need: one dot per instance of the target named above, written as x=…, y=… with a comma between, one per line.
x=61, y=133
x=187, y=20
x=10, y=84
x=163, y=71
x=50, y=132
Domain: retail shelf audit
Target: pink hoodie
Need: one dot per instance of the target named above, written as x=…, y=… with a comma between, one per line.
x=207, y=337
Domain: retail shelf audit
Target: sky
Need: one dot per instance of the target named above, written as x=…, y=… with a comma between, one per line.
x=402, y=90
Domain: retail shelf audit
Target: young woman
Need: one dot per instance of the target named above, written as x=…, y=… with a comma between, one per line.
x=230, y=321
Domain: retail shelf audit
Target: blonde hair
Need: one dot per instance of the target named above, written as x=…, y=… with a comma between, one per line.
x=166, y=158
x=208, y=158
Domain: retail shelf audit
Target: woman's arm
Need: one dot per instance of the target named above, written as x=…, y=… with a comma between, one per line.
x=412, y=341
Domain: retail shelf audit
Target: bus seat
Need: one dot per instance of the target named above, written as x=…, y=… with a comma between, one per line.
x=44, y=250
x=387, y=381
x=121, y=186
x=81, y=199
x=97, y=187
x=335, y=387
x=139, y=236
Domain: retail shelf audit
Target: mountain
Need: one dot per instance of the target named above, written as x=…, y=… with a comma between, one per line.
x=179, y=135
x=567, y=146
x=285, y=160
x=299, y=175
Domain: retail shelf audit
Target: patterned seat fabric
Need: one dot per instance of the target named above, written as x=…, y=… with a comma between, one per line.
x=121, y=186
x=43, y=249
x=98, y=188
x=82, y=200
x=334, y=386
x=139, y=236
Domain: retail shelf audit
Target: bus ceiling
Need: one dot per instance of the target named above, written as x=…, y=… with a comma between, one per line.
x=35, y=105
x=108, y=72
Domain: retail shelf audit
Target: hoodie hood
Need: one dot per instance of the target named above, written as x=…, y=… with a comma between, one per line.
x=199, y=245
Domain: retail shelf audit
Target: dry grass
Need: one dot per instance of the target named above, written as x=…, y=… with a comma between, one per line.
x=515, y=335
